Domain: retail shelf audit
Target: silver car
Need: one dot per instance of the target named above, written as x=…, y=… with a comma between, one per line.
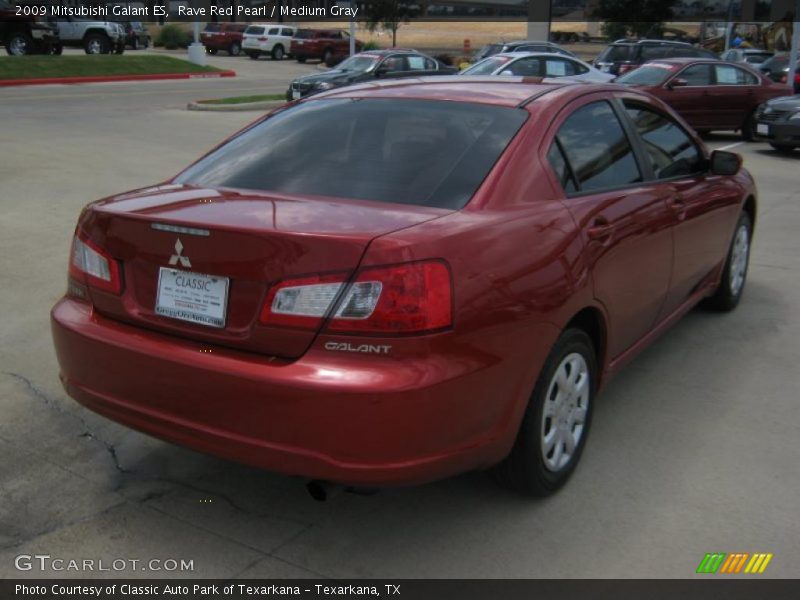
x=537, y=64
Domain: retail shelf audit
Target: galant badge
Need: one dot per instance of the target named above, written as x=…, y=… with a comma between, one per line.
x=184, y=260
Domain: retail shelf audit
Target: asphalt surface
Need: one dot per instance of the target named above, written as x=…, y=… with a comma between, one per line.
x=694, y=448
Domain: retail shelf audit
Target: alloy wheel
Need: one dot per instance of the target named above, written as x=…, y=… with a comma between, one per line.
x=739, y=255
x=565, y=411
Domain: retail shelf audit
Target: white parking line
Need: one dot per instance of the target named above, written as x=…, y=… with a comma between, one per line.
x=729, y=146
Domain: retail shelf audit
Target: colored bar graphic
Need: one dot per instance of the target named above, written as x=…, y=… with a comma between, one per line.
x=735, y=562
x=758, y=564
x=711, y=562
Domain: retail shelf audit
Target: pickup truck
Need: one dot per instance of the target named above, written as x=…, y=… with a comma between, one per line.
x=323, y=44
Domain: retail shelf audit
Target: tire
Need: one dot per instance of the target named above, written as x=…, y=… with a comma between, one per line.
x=146, y=43
x=749, y=128
x=96, y=43
x=327, y=55
x=787, y=148
x=536, y=467
x=135, y=43
x=212, y=51
x=235, y=49
x=734, y=275
x=120, y=48
x=278, y=52
x=19, y=43
x=301, y=59
x=57, y=49
x=254, y=55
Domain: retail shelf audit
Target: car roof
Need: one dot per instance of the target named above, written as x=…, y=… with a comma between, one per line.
x=521, y=53
x=498, y=91
x=636, y=42
x=385, y=51
x=526, y=42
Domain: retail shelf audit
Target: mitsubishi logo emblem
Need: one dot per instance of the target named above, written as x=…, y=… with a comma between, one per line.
x=175, y=258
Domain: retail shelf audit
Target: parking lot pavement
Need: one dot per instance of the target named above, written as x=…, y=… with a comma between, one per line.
x=694, y=447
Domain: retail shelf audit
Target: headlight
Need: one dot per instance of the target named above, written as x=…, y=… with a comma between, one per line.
x=795, y=116
x=323, y=85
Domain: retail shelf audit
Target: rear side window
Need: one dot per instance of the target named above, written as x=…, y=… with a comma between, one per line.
x=555, y=157
x=274, y=31
x=616, y=52
x=597, y=149
x=652, y=52
x=419, y=152
x=727, y=75
x=254, y=30
x=671, y=151
x=559, y=67
x=526, y=67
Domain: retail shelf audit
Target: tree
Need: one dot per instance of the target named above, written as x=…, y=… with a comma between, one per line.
x=387, y=13
x=641, y=18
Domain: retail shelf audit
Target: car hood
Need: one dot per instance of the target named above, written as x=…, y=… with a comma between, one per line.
x=784, y=103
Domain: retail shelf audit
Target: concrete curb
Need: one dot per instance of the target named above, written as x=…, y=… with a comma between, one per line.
x=108, y=78
x=266, y=105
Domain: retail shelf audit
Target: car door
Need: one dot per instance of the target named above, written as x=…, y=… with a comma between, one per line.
x=693, y=100
x=735, y=94
x=702, y=207
x=624, y=219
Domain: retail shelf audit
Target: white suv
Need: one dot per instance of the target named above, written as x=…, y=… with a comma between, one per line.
x=267, y=38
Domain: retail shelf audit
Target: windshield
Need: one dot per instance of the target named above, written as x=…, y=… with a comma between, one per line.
x=212, y=27
x=614, y=53
x=646, y=75
x=422, y=152
x=486, y=66
x=304, y=34
x=358, y=63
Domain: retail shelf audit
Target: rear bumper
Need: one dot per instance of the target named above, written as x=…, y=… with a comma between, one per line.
x=354, y=419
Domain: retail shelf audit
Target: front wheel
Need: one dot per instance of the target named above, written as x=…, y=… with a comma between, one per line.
x=556, y=423
x=235, y=49
x=19, y=44
x=277, y=52
x=749, y=128
x=734, y=275
x=96, y=43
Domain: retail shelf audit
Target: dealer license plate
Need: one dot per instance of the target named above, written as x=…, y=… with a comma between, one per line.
x=762, y=129
x=193, y=297
x=295, y=95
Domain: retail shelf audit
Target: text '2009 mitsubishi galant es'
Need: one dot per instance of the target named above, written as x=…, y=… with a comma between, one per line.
x=394, y=283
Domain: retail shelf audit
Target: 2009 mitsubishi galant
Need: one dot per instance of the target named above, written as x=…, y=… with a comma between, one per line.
x=397, y=282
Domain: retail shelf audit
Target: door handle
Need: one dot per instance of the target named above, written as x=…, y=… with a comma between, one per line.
x=677, y=203
x=600, y=231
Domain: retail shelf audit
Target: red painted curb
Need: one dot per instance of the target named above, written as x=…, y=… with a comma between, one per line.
x=103, y=78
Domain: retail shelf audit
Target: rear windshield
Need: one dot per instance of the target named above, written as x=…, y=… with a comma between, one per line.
x=212, y=27
x=616, y=52
x=422, y=152
x=304, y=34
x=487, y=66
x=646, y=75
x=253, y=30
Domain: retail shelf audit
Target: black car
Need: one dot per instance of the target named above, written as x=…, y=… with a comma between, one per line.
x=520, y=46
x=777, y=69
x=778, y=122
x=366, y=66
x=625, y=55
x=136, y=35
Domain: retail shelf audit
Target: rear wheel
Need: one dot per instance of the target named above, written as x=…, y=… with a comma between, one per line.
x=277, y=52
x=782, y=147
x=235, y=49
x=556, y=422
x=734, y=275
x=749, y=128
x=301, y=59
x=96, y=43
x=254, y=55
x=135, y=43
x=19, y=43
x=327, y=56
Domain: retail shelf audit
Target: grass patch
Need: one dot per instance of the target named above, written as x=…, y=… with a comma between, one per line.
x=34, y=67
x=245, y=99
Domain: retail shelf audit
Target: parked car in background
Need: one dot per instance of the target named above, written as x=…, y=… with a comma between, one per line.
x=778, y=122
x=95, y=37
x=322, y=44
x=625, y=55
x=537, y=64
x=136, y=35
x=777, y=69
x=25, y=34
x=750, y=56
x=267, y=39
x=710, y=95
x=364, y=289
x=223, y=36
x=520, y=46
x=369, y=66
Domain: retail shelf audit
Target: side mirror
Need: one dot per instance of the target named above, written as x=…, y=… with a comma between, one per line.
x=677, y=82
x=507, y=73
x=725, y=163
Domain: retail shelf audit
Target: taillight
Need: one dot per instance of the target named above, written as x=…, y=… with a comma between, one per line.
x=409, y=298
x=90, y=264
x=797, y=78
x=625, y=68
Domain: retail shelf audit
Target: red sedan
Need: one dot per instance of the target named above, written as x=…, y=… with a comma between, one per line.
x=447, y=291
x=711, y=95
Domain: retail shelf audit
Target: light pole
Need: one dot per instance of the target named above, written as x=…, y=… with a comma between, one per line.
x=197, y=52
